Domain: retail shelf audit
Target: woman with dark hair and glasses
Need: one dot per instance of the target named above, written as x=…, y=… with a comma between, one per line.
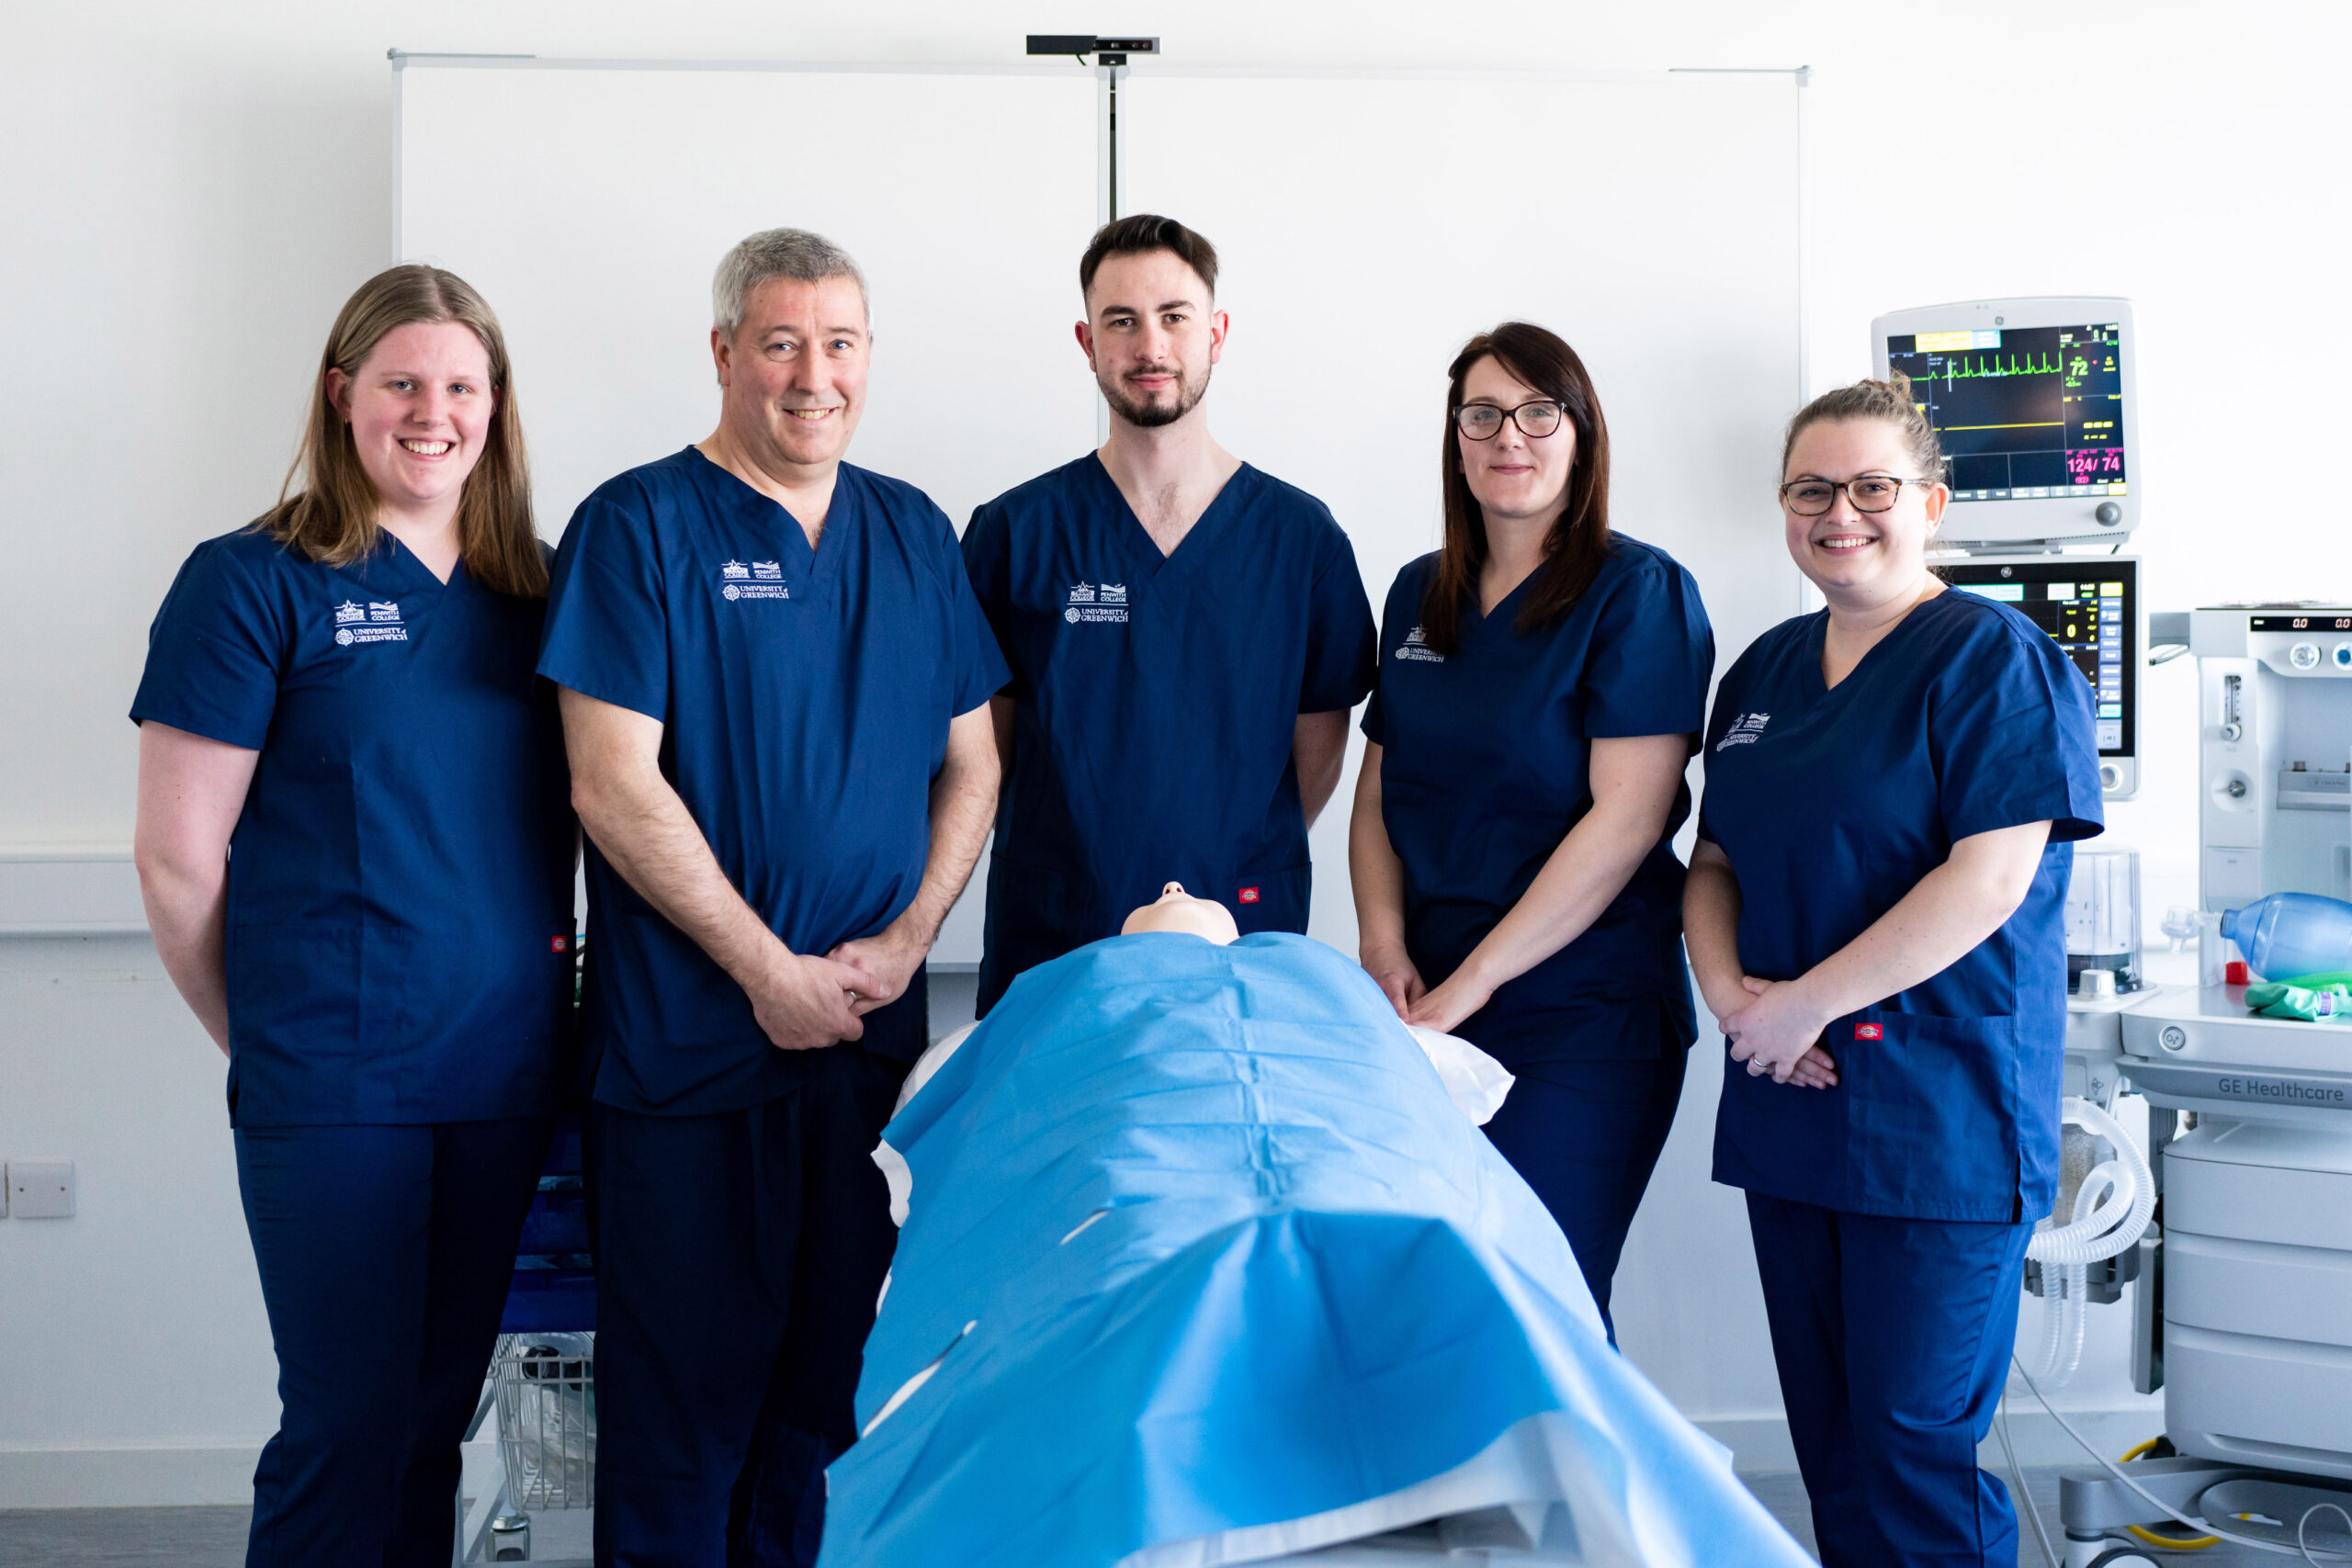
x=1876, y=912
x=1542, y=680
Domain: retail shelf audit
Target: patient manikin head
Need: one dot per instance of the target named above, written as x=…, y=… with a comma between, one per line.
x=1177, y=910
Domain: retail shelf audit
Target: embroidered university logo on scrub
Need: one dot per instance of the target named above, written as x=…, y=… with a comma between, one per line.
x=1416, y=648
x=1744, y=730
x=1105, y=604
x=760, y=579
x=377, y=621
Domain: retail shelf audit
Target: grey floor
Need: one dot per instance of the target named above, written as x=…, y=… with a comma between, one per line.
x=215, y=1538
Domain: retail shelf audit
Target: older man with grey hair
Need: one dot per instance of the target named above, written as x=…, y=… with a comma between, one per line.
x=773, y=681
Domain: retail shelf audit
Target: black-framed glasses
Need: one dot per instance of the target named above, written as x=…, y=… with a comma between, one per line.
x=1536, y=419
x=1871, y=492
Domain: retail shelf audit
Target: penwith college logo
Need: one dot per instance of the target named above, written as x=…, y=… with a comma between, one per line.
x=1744, y=730
x=379, y=620
x=1104, y=603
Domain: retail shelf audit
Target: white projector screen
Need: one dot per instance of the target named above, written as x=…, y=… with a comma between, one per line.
x=590, y=204
x=1367, y=225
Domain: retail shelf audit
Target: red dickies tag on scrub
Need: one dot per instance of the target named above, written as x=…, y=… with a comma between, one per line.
x=1249, y=894
x=560, y=944
x=1869, y=1032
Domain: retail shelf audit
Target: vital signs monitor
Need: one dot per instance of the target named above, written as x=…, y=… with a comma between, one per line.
x=2032, y=400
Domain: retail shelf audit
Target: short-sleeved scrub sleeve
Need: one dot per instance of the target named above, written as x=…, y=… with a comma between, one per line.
x=979, y=670
x=988, y=566
x=1653, y=650
x=1342, y=643
x=607, y=629
x=214, y=653
x=2016, y=742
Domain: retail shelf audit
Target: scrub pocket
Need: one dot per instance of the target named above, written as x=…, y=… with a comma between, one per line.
x=1931, y=1125
x=323, y=1019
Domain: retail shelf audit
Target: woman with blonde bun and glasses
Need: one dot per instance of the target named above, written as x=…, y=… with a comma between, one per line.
x=355, y=845
x=1874, y=914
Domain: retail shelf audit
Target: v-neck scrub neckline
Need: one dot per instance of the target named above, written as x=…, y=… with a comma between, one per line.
x=1157, y=701
x=813, y=566
x=1142, y=551
x=1818, y=646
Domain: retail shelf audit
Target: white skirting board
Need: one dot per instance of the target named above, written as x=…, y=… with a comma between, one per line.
x=195, y=1476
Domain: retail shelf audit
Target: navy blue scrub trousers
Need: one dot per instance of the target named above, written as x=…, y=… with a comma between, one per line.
x=1585, y=1136
x=1893, y=1338
x=739, y=1256
x=385, y=1253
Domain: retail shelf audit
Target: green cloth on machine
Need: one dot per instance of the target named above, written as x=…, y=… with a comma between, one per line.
x=2316, y=1004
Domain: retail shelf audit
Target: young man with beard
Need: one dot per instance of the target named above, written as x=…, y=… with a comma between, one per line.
x=1186, y=634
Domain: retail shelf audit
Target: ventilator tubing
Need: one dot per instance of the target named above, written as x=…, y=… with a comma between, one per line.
x=2112, y=1208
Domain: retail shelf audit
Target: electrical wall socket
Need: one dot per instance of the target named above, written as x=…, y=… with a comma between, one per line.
x=40, y=1189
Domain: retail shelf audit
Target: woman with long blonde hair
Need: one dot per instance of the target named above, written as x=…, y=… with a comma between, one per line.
x=355, y=846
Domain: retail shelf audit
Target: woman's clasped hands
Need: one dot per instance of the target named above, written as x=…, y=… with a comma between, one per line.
x=1778, y=1031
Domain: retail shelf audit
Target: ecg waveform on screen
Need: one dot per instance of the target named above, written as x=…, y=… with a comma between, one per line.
x=2023, y=413
x=1960, y=367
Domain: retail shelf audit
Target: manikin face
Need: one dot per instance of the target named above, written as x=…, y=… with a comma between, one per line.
x=795, y=371
x=1151, y=334
x=1862, y=558
x=419, y=409
x=1177, y=910
x=1513, y=475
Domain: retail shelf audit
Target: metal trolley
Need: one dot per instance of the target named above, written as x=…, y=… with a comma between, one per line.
x=541, y=1387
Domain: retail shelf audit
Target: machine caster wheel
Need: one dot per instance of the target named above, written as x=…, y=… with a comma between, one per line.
x=510, y=1539
x=2123, y=1557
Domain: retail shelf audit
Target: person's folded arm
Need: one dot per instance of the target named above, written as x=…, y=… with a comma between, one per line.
x=639, y=824
x=963, y=805
x=1633, y=781
x=191, y=792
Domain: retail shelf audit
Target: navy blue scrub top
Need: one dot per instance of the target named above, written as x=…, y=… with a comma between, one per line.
x=1831, y=805
x=805, y=697
x=1486, y=766
x=399, y=881
x=1158, y=700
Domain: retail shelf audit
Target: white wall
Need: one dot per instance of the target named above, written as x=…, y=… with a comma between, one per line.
x=187, y=193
